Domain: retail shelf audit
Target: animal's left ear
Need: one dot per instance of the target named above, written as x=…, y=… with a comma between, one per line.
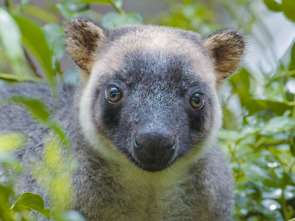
x=226, y=49
x=83, y=41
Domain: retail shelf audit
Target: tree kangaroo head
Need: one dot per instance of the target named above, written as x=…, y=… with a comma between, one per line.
x=150, y=92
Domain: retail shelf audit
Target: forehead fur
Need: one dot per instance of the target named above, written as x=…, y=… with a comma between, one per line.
x=162, y=43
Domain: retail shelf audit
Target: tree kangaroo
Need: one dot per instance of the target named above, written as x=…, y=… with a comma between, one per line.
x=142, y=123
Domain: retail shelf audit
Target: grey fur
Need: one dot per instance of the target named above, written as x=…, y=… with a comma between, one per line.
x=103, y=189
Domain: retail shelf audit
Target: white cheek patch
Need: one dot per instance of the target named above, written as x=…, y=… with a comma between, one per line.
x=87, y=123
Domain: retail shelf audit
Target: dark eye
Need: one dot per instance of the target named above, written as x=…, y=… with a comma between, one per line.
x=113, y=94
x=197, y=101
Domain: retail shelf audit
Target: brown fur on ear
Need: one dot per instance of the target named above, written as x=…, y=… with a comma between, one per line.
x=226, y=49
x=83, y=39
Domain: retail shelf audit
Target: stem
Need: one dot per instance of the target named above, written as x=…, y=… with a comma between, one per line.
x=293, y=114
x=289, y=168
x=284, y=206
x=290, y=103
x=286, y=75
x=291, y=72
x=7, y=3
x=119, y=10
x=12, y=77
x=32, y=64
x=260, y=142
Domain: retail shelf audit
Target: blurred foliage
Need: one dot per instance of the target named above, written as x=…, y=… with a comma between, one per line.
x=31, y=51
x=259, y=110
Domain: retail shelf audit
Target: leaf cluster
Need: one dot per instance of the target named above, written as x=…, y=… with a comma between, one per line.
x=259, y=108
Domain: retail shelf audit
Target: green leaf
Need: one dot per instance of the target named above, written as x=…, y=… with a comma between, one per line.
x=7, y=160
x=287, y=180
x=31, y=201
x=107, y=2
x=40, y=113
x=54, y=35
x=10, y=37
x=118, y=3
x=273, y=5
x=70, y=10
x=11, y=141
x=290, y=85
x=289, y=9
x=257, y=173
x=114, y=19
x=37, y=108
x=276, y=193
x=291, y=65
x=34, y=39
x=241, y=84
x=54, y=173
x=64, y=11
x=292, y=142
x=43, y=15
x=279, y=124
x=256, y=105
x=5, y=193
x=71, y=2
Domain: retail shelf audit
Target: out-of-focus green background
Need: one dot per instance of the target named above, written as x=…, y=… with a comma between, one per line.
x=258, y=134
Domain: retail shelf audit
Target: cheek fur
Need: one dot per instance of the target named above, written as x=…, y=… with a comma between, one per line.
x=115, y=123
x=106, y=116
x=110, y=115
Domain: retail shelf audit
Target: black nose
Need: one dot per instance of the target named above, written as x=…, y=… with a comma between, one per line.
x=154, y=145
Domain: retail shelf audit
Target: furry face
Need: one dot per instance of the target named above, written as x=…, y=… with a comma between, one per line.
x=151, y=94
x=155, y=121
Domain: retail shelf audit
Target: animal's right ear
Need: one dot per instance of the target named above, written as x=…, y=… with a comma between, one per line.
x=83, y=39
x=226, y=49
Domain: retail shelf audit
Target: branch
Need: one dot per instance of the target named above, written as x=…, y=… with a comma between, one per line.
x=119, y=10
x=32, y=64
x=7, y=3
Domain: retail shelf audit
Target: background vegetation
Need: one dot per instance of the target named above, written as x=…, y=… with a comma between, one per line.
x=259, y=103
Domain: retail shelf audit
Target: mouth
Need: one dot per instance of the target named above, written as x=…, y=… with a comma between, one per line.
x=151, y=166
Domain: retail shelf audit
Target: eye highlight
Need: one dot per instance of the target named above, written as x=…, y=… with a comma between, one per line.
x=197, y=101
x=113, y=94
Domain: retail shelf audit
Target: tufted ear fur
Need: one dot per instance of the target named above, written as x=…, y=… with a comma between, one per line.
x=226, y=49
x=83, y=39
